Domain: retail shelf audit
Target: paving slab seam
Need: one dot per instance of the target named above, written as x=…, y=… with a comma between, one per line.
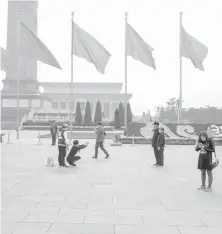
x=49, y=227
x=178, y=228
x=203, y=222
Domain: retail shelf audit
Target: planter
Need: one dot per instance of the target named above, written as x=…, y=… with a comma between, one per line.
x=169, y=141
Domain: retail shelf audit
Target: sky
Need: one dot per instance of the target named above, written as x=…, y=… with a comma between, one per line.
x=157, y=22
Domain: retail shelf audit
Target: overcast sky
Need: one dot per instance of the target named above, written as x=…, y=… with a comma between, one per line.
x=157, y=21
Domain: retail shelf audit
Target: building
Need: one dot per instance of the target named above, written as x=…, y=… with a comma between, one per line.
x=56, y=97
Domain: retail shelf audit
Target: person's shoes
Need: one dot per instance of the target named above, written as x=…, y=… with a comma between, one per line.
x=202, y=187
x=73, y=165
x=208, y=189
x=107, y=156
x=60, y=166
x=94, y=157
x=155, y=164
x=65, y=166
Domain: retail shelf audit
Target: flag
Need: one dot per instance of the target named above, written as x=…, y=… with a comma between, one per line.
x=31, y=46
x=3, y=59
x=138, y=49
x=87, y=47
x=192, y=49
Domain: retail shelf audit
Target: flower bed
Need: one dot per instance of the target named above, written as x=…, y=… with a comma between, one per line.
x=75, y=128
x=169, y=141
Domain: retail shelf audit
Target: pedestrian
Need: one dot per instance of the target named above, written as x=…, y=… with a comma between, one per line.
x=205, y=146
x=154, y=141
x=160, y=146
x=62, y=146
x=72, y=158
x=53, y=130
x=100, y=137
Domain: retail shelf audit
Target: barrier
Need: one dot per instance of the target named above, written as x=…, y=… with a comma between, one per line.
x=133, y=141
x=39, y=141
x=9, y=134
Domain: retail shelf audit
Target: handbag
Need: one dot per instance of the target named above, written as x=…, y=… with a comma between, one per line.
x=215, y=163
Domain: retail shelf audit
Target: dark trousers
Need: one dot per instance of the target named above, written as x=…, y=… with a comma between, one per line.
x=72, y=159
x=156, y=153
x=53, y=139
x=161, y=156
x=100, y=144
x=62, y=155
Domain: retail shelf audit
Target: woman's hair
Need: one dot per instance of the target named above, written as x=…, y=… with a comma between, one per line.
x=203, y=134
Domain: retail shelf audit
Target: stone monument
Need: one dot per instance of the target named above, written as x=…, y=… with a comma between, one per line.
x=27, y=11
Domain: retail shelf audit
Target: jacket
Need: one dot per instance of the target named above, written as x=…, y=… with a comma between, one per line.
x=161, y=140
x=75, y=149
x=53, y=129
x=209, y=147
x=100, y=134
x=61, y=139
x=155, y=136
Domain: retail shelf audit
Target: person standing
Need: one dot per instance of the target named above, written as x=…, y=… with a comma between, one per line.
x=53, y=130
x=205, y=146
x=62, y=146
x=160, y=146
x=154, y=141
x=100, y=137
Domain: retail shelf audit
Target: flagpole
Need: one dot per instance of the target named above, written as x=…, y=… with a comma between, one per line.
x=180, y=106
x=125, y=119
x=72, y=101
x=18, y=70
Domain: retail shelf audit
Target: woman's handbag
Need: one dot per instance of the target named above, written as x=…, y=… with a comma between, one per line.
x=215, y=163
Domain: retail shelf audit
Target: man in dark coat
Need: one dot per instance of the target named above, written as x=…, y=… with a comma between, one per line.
x=160, y=146
x=72, y=158
x=53, y=130
x=154, y=141
x=100, y=137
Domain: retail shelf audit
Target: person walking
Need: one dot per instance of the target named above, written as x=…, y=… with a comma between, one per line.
x=154, y=141
x=62, y=146
x=53, y=130
x=100, y=137
x=160, y=146
x=205, y=146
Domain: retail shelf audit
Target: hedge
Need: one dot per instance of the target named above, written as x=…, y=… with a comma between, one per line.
x=30, y=122
x=75, y=128
x=169, y=141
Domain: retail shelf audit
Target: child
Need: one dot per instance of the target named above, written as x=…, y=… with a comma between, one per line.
x=62, y=146
x=160, y=146
x=72, y=158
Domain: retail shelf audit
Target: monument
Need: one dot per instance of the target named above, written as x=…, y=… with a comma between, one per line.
x=56, y=97
x=27, y=11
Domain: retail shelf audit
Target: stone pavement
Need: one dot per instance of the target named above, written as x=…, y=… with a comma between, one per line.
x=122, y=195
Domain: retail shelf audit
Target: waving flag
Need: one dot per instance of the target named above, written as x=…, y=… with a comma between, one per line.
x=87, y=47
x=138, y=49
x=192, y=49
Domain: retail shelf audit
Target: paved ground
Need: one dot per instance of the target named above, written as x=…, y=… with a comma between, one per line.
x=122, y=195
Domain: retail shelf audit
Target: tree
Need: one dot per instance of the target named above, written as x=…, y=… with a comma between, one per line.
x=98, y=113
x=78, y=118
x=88, y=115
x=129, y=113
x=171, y=104
x=121, y=113
x=117, y=119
